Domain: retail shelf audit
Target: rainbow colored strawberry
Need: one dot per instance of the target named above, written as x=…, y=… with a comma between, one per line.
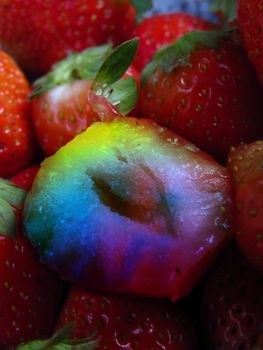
x=128, y=206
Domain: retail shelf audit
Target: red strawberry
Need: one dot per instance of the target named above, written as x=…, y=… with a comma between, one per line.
x=25, y=178
x=16, y=144
x=250, y=21
x=203, y=88
x=39, y=33
x=62, y=106
x=232, y=305
x=30, y=295
x=159, y=30
x=140, y=210
x=246, y=167
x=126, y=322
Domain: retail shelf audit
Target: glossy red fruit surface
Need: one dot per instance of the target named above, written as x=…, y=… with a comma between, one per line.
x=246, y=168
x=65, y=111
x=39, y=33
x=159, y=30
x=25, y=178
x=16, y=141
x=127, y=322
x=30, y=294
x=135, y=209
x=214, y=101
x=250, y=21
x=232, y=303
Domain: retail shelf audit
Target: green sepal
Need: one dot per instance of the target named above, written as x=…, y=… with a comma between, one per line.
x=117, y=63
x=61, y=341
x=141, y=6
x=121, y=93
x=178, y=53
x=11, y=198
x=82, y=65
x=228, y=9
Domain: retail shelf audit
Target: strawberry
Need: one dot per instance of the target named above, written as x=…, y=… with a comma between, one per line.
x=128, y=206
x=250, y=23
x=39, y=33
x=245, y=164
x=203, y=87
x=232, y=306
x=16, y=143
x=25, y=178
x=159, y=30
x=126, y=322
x=62, y=105
x=30, y=295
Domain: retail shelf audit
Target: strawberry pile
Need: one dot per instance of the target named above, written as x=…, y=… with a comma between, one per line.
x=131, y=176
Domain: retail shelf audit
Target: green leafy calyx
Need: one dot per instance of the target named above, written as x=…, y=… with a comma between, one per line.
x=61, y=341
x=83, y=65
x=142, y=6
x=11, y=199
x=178, y=53
x=121, y=93
x=225, y=8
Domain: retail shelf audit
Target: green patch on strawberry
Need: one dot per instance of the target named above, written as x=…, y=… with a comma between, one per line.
x=11, y=198
x=203, y=88
x=30, y=294
x=102, y=65
x=83, y=65
x=227, y=9
x=125, y=322
x=60, y=341
x=178, y=53
x=141, y=7
x=121, y=93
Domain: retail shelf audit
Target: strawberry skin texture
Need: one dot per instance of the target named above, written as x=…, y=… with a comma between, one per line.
x=65, y=111
x=147, y=247
x=159, y=30
x=39, y=33
x=62, y=113
x=246, y=169
x=245, y=162
x=232, y=305
x=250, y=21
x=214, y=101
x=30, y=294
x=127, y=322
x=25, y=178
x=16, y=141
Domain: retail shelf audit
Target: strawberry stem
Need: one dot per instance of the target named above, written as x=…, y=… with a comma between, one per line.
x=227, y=9
x=61, y=341
x=11, y=198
